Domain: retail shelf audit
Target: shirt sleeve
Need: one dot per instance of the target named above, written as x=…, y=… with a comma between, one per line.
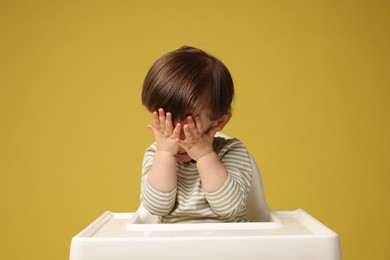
x=231, y=198
x=156, y=202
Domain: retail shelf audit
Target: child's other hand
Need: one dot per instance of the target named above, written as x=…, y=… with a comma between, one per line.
x=165, y=135
x=197, y=143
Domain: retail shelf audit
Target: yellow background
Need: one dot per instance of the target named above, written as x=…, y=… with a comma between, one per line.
x=312, y=81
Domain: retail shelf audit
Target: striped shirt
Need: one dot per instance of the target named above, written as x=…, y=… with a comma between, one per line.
x=188, y=202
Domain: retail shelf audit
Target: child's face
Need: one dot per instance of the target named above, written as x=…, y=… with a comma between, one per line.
x=207, y=124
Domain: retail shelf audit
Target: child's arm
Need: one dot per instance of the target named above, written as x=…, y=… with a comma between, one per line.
x=212, y=173
x=199, y=146
x=226, y=184
x=162, y=175
x=156, y=202
x=231, y=198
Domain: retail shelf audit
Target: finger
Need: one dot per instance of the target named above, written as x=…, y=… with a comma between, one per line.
x=168, y=123
x=198, y=123
x=189, y=137
x=191, y=125
x=153, y=129
x=176, y=131
x=183, y=144
x=213, y=131
x=156, y=120
x=161, y=117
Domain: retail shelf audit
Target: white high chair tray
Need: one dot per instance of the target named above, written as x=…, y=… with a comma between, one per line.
x=292, y=235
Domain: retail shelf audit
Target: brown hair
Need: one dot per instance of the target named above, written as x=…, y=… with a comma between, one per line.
x=188, y=81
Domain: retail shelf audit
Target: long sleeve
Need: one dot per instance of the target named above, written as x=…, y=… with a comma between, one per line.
x=230, y=199
x=156, y=202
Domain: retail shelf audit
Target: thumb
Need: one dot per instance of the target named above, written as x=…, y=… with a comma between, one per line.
x=213, y=131
x=153, y=129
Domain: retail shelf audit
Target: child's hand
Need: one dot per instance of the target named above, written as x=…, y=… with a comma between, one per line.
x=197, y=143
x=165, y=135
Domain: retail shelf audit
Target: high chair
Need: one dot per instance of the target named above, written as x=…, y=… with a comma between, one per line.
x=274, y=235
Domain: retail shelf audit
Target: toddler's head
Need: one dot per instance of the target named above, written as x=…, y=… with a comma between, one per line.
x=186, y=82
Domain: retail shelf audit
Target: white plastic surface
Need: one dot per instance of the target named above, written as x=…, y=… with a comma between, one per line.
x=292, y=235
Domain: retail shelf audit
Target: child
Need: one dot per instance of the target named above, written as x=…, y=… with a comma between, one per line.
x=188, y=174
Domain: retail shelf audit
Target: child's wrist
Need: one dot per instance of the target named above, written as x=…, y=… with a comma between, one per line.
x=165, y=152
x=206, y=155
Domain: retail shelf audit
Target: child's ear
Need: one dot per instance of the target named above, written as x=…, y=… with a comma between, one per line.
x=221, y=122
